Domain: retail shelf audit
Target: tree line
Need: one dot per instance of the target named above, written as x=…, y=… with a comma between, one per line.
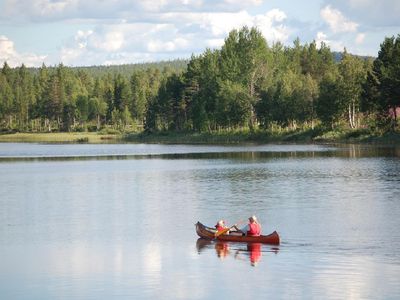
x=77, y=99
x=245, y=84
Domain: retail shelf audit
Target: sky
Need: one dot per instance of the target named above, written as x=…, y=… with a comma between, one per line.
x=110, y=32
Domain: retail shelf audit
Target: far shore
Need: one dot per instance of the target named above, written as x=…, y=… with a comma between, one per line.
x=226, y=137
x=60, y=137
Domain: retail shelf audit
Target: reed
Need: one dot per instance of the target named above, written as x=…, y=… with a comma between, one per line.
x=245, y=136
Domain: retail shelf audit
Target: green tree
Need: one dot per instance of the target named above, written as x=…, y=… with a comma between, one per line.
x=126, y=117
x=12, y=96
x=54, y=98
x=41, y=88
x=201, y=85
x=68, y=116
x=329, y=108
x=351, y=80
x=82, y=106
x=24, y=96
x=97, y=109
x=108, y=96
x=140, y=87
x=233, y=105
x=370, y=93
x=384, y=80
x=6, y=102
x=121, y=93
x=245, y=60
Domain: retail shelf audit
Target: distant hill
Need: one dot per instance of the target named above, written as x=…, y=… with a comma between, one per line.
x=177, y=66
x=338, y=56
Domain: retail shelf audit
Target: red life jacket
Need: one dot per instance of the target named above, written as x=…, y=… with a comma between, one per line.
x=255, y=229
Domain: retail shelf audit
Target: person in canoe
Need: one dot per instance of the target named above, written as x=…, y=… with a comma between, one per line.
x=220, y=226
x=253, y=228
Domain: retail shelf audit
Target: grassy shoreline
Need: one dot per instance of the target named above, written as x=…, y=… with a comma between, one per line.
x=60, y=137
x=223, y=137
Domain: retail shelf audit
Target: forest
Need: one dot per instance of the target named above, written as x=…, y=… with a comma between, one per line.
x=247, y=84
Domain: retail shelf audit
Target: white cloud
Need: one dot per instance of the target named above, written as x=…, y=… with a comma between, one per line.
x=70, y=55
x=271, y=25
x=215, y=43
x=110, y=41
x=129, y=31
x=336, y=21
x=360, y=3
x=13, y=58
x=334, y=45
x=243, y=2
x=45, y=10
x=6, y=46
x=321, y=38
x=168, y=46
x=81, y=38
x=370, y=13
x=126, y=43
x=44, y=7
x=360, y=38
x=346, y=33
x=220, y=24
x=177, y=35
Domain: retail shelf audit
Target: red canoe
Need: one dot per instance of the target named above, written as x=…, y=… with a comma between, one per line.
x=209, y=233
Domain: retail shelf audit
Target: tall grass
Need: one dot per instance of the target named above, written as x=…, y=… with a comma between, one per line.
x=59, y=137
x=239, y=136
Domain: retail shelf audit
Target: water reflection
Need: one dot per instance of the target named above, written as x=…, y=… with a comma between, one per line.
x=251, y=252
x=248, y=153
x=96, y=229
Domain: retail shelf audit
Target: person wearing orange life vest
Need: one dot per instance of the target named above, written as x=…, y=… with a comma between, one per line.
x=253, y=228
x=220, y=226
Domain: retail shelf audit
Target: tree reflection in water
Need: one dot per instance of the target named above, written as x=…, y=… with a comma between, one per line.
x=240, y=251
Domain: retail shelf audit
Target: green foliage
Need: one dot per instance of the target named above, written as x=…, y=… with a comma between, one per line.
x=233, y=106
x=245, y=85
x=329, y=107
x=382, y=90
x=350, y=82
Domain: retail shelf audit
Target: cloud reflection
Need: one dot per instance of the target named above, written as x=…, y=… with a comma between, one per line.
x=152, y=261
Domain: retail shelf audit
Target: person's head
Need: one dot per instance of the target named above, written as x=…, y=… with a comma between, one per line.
x=253, y=219
x=221, y=223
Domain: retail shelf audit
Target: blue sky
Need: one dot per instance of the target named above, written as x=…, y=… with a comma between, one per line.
x=104, y=32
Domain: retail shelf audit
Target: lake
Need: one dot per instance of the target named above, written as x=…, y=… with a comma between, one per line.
x=116, y=221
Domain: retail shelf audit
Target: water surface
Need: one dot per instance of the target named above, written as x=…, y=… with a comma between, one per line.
x=117, y=221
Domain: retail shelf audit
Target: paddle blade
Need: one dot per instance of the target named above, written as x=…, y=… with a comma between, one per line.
x=222, y=232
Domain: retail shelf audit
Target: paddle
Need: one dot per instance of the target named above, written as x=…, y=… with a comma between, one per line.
x=217, y=234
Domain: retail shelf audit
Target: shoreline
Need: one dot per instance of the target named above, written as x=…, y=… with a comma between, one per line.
x=59, y=137
x=226, y=137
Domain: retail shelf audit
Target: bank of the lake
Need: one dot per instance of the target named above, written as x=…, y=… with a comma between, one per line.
x=259, y=136
x=218, y=137
x=60, y=137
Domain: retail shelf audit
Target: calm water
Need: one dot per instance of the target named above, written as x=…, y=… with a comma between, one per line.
x=117, y=221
